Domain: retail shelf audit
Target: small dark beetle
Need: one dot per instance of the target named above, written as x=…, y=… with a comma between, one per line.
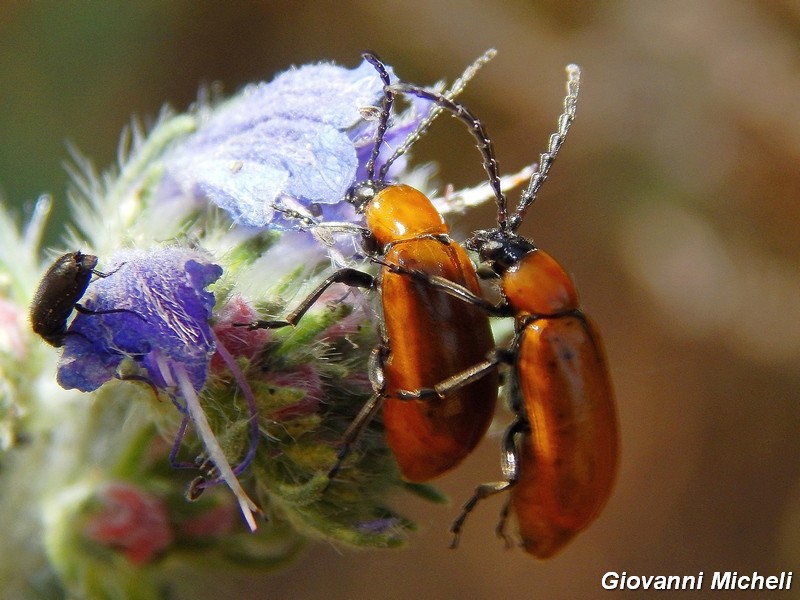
x=58, y=294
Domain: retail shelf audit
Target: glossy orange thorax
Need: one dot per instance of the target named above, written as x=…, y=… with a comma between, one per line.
x=538, y=285
x=400, y=212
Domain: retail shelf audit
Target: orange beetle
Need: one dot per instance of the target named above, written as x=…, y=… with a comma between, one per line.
x=560, y=453
x=427, y=335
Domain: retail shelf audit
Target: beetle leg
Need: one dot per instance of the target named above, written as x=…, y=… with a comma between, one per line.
x=353, y=432
x=320, y=230
x=351, y=277
x=102, y=274
x=88, y=311
x=262, y=324
x=342, y=227
x=500, y=530
x=509, y=464
x=459, y=380
x=510, y=468
x=445, y=285
x=455, y=382
x=366, y=414
x=484, y=490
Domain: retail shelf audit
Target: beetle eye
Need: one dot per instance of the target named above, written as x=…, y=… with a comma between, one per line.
x=478, y=241
x=491, y=249
x=362, y=192
x=493, y=246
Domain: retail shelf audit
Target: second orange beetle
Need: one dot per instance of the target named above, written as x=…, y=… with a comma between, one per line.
x=560, y=453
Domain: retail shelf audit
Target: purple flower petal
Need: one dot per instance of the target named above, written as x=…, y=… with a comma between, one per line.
x=324, y=92
x=301, y=137
x=164, y=290
x=246, y=174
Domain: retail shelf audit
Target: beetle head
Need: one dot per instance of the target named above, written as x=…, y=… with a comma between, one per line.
x=362, y=192
x=500, y=249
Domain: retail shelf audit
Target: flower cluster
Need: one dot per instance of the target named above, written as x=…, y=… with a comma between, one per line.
x=195, y=236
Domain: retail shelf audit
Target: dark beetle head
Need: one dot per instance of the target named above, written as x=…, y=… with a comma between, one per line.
x=362, y=192
x=500, y=249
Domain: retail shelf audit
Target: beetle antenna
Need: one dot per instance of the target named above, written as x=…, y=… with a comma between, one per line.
x=386, y=109
x=478, y=131
x=436, y=109
x=556, y=139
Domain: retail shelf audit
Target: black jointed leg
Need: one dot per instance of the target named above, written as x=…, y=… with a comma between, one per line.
x=510, y=467
x=445, y=285
x=348, y=276
x=88, y=311
x=367, y=412
x=455, y=382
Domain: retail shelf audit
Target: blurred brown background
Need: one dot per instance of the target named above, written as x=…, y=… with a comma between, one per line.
x=674, y=204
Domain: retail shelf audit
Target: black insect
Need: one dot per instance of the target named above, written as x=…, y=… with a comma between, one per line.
x=58, y=294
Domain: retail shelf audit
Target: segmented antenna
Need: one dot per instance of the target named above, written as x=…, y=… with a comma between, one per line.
x=436, y=109
x=386, y=109
x=478, y=131
x=546, y=159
